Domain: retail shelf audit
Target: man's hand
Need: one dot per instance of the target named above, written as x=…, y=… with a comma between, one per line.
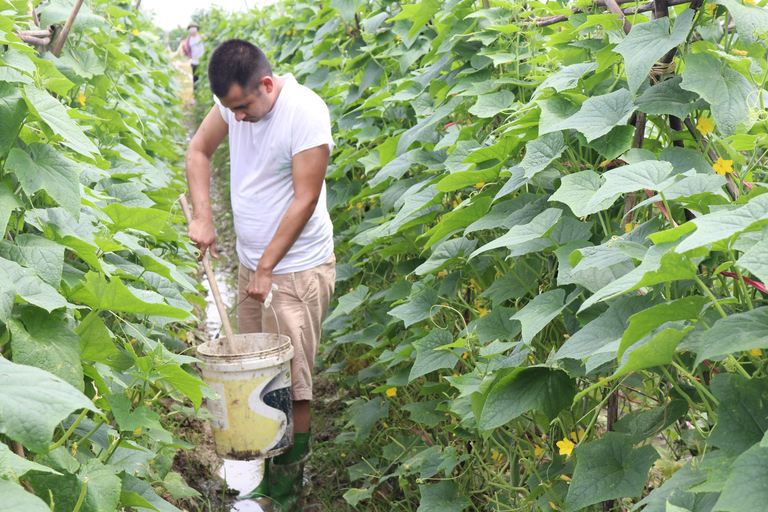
x=201, y=232
x=260, y=284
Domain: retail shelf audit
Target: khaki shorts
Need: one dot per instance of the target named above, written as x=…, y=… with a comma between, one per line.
x=301, y=303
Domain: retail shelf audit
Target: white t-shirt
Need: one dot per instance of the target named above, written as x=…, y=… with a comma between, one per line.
x=261, y=177
x=197, y=48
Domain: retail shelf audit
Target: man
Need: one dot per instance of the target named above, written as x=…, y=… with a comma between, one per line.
x=280, y=141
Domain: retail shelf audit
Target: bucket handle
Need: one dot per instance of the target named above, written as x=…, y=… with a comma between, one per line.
x=268, y=304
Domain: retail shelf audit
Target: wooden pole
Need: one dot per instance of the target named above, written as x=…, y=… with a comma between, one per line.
x=136, y=5
x=67, y=26
x=212, y=283
x=551, y=20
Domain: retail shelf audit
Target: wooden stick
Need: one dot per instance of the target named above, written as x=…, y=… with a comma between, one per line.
x=551, y=20
x=136, y=6
x=33, y=13
x=37, y=41
x=615, y=9
x=67, y=26
x=212, y=283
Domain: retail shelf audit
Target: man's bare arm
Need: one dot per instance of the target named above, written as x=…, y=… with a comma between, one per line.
x=308, y=175
x=208, y=137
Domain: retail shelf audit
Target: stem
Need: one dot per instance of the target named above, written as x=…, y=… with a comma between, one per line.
x=706, y=290
x=68, y=432
x=82, y=495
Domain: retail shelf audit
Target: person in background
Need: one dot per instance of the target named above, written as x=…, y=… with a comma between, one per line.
x=193, y=48
x=280, y=142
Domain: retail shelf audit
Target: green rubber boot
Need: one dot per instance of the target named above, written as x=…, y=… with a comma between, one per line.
x=286, y=476
x=261, y=490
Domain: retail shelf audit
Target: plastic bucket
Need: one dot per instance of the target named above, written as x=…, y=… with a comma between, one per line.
x=253, y=418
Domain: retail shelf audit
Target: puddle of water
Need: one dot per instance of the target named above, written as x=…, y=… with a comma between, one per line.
x=243, y=475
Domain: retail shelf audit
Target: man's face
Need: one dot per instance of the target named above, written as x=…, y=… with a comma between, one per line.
x=250, y=104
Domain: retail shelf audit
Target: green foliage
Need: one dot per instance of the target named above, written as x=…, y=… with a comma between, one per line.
x=93, y=271
x=533, y=234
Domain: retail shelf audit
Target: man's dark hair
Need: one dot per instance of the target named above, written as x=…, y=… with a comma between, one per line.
x=237, y=62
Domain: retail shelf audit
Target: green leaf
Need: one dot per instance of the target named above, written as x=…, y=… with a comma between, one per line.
x=539, y=153
x=8, y=202
x=668, y=98
x=745, y=489
x=428, y=358
x=425, y=129
x=546, y=389
x=31, y=288
x=577, y=189
x=100, y=294
x=614, y=143
x=496, y=325
x=658, y=350
x=57, y=13
x=447, y=253
x=751, y=20
x=189, y=385
x=177, y=488
x=568, y=77
x=18, y=499
x=49, y=343
x=724, y=223
x=84, y=62
x=641, y=324
x=7, y=296
x=598, y=115
x=458, y=219
x=55, y=115
x=735, y=333
x=648, y=423
x=355, y=496
x=365, y=416
x=96, y=344
x=537, y=314
x=442, y=497
x=45, y=168
x=490, y=105
x=129, y=418
x=755, y=259
x=148, y=220
x=742, y=416
x=418, y=307
x=521, y=233
x=607, y=469
x=13, y=110
x=726, y=90
x=425, y=412
x=349, y=302
x=647, y=42
x=13, y=467
x=419, y=13
x=44, y=256
x=134, y=488
x=33, y=402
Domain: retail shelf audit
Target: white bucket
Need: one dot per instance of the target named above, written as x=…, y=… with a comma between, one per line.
x=253, y=418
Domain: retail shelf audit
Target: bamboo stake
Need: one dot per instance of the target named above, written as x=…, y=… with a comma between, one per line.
x=33, y=13
x=68, y=25
x=212, y=283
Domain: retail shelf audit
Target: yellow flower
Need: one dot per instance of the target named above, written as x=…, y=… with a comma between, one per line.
x=566, y=336
x=464, y=355
x=712, y=8
x=628, y=227
x=81, y=99
x=723, y=166
x=482, y=311
x=566, y=446
x=756, y=352
x=538, y=451
x=750, y=2
x=137, y=431
x=480, y=185
x=135, y=32
x=495, y=454
x=739, y=52
x=359, y=206
x=398, y=38
x=705, y=126
x=578, y=435
x=392, y=392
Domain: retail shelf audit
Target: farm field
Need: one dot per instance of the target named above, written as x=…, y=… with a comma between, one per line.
x=550, y=227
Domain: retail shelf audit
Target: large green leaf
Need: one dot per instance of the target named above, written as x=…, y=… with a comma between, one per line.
x=442, y=497
x=31, y=288
x=445, y=254
x=8, y=202
x=100, y=294
x=349, y=302
x=44, y=256
x=419, y=13
x=7, y=296
x=490, y=105
x=49, y=343
x=648, y=423
x=540, y=153
x=545, y=389
x=58, y=11
x=577, y=189
x=45, y=168
x=366, y=414
x=55, y=115
x=668, y=98
x=537, y=314
x=33, y=402
x=525, y=232
x=140, y=495
x=598, y=115
x=647, y=42
x=18, y=499
x=148, y=220
x=735, y=333
x=418, y=307
x=96, y=340
x=568, y=77
x=458, y=219
x=102, y=492
x=741, y=492
x=755, y=259
x=496, y=325
x=84, y=62
x=751, y=20
x=13, y=467
x=726, y=90
x=742, y=416
x=13, y=110
x=657, y=350
x=428, y=356
x=607, y=469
